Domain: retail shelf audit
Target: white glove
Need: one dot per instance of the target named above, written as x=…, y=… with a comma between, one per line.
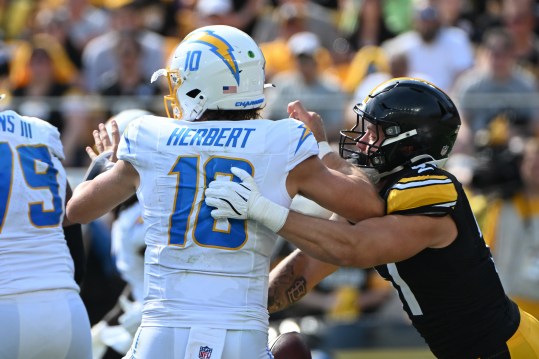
x=132, y=316
x=98, y=346
x=243, y=201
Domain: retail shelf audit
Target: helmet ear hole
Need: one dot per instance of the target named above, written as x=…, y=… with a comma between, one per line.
x=193, y=93
x=392, y=131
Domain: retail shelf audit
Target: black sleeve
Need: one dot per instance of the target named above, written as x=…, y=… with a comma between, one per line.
x=73, y=236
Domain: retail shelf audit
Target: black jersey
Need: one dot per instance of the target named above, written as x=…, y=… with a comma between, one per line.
x=453, y=295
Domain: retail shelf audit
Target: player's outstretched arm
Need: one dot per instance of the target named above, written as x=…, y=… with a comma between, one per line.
x=106, y=183
x=348, y=196
x=93, y=199
x=293, y=278
x=372, y=241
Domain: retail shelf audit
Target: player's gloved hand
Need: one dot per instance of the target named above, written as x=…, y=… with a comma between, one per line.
x=104, y=155
x=132, y=316
x=244, y=201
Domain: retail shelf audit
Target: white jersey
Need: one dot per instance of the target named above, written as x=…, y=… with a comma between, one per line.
x=33, y=251
x=128, y=245
x=200, y=271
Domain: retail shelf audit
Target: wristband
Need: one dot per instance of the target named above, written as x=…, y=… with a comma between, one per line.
x=270, y=214
x=323, y=149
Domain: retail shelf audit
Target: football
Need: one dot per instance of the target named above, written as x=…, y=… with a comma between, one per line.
x=290, y=345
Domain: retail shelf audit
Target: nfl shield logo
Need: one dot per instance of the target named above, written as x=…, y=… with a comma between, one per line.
x=204, y=353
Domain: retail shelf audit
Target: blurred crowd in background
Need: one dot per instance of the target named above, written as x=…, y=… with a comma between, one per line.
x=75, y=63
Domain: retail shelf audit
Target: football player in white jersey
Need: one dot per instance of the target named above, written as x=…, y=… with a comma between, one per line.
x=206, y=281
x=42, y=314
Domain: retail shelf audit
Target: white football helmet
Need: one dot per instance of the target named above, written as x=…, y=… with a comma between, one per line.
x=124, y=118
x=215, y=67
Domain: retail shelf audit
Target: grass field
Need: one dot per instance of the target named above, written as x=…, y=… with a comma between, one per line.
x=393, y=353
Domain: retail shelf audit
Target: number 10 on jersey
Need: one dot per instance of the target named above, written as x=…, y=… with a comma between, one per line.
x=190, y=213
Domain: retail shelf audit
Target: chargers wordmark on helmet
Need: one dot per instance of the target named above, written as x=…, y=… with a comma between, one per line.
x=249, y=103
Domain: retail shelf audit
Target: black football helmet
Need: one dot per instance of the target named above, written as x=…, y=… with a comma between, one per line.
x=417, y=118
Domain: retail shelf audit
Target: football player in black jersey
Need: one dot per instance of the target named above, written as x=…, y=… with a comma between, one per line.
x=428, y=243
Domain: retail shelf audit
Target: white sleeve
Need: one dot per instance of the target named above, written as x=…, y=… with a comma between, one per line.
x=49, y=134
x=302, y=143
x=127, y=148
x=55, y=144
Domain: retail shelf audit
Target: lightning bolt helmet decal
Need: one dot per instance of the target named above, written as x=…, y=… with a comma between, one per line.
x=219, y=46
